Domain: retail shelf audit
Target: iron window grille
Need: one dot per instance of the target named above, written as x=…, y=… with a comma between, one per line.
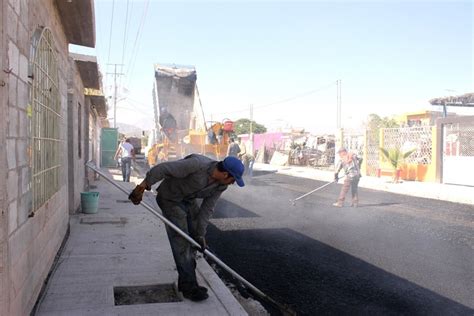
x=45, y=119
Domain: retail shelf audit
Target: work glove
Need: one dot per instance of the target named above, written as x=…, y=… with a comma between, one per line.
x=201, y=240
x=336, y=177
x=137, y=195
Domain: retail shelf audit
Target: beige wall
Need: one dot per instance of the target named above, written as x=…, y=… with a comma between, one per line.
x=94, y=137
x=29, y=244
x=76, y=168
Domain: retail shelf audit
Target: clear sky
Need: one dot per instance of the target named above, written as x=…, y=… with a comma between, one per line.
x=392, y=56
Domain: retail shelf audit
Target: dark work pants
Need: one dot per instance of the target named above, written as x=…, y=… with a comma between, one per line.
x=182, y=215
x=353, y=184
x=126, y=168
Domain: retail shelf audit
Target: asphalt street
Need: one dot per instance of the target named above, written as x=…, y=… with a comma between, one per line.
x=394, y=254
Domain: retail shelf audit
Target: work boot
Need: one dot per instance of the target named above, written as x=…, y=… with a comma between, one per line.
x=337, y=204
x=355, y=203
x=196, y=294
x=201, y=288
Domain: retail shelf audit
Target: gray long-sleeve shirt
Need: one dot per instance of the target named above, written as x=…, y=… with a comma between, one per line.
x=185, y=180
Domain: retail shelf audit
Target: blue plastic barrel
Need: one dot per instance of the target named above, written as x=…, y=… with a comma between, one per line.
x=90, y=202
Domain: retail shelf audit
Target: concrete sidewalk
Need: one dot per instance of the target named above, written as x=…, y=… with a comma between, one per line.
x=124, y=245
x=437, y=191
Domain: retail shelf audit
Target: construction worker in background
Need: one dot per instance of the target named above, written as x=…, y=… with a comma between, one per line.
x=234, y=149
x=184, y=181
x=127, y=153
x=161, y=156
x=351, y=164
x=168, y=124
x=211, y=137
x=220, y=135
x=247, y=158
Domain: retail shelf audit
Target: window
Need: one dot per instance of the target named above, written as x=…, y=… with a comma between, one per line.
x=45, y=120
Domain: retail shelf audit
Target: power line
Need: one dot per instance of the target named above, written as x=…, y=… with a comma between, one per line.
x=140, y=103
x=115, y=73
x=124, y=38
x=110, y=42
x=297, y=96
x=137, y=41
x=281, y=101
x=111, y=28
x=133, y=57
x=125, y=32
x=338, y=105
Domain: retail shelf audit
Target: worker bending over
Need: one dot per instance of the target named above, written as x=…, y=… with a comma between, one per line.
x=184, y=181
x=351, y=164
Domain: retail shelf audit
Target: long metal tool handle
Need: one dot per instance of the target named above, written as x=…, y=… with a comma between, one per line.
x=194, y=243
x=311, y=192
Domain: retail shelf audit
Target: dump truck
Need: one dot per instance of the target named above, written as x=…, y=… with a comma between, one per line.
x=180, y=125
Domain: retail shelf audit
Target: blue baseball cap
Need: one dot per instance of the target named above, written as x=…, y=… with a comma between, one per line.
x=236, y=169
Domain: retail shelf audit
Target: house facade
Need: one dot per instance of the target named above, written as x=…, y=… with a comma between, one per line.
x=45, y=123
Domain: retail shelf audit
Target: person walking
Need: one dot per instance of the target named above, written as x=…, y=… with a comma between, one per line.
x=351, y=165
x=184, y=181
x=127, y=153
x=234, y=149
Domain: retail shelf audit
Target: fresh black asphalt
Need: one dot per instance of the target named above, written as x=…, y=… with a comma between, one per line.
x=394, y=255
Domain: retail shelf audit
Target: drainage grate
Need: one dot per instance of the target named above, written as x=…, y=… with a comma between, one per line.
x=146, y=294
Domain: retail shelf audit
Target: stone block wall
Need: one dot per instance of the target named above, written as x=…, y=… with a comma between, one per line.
x=28, y=245
x=3, y=157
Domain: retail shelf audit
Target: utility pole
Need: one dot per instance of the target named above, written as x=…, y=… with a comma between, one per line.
x=251, y=129
x=156, y=112
x=202, y=109
x=115, y=90
x=339, y=114
x=339, y=132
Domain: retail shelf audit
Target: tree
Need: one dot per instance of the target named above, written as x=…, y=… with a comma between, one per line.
x=242, y=126
x=375, y=122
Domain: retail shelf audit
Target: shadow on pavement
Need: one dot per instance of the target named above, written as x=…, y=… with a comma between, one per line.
x=314, y=278
x=377, y=204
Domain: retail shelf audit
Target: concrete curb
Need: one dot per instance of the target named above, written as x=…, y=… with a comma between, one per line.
x=217, y=286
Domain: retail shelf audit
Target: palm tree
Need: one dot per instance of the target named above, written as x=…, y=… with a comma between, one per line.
x=395, y=157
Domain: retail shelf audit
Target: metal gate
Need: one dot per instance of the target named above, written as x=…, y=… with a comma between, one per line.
x=108, y=147
x=458, y=153
x=354, y=142
x=372, y=142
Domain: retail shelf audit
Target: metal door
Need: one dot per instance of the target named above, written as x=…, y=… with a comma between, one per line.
x=108, y=147
x=458, y=153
